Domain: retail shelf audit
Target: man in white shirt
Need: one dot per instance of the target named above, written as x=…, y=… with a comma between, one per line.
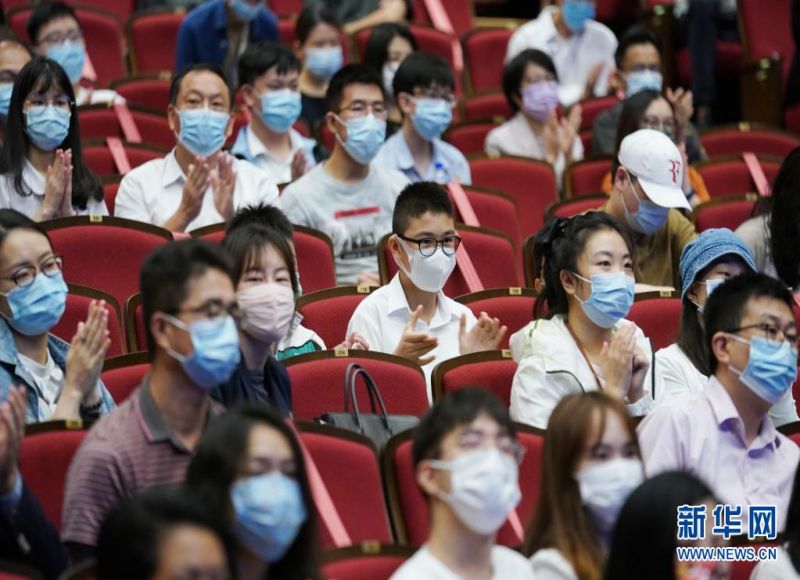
x=581, y=48
x=466, y=457
x=411, y=317
x=346, y=197
x=196, y=184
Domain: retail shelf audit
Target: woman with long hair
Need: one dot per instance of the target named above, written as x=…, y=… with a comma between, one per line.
x=388, y=46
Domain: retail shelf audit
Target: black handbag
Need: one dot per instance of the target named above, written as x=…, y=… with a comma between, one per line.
x=378, y=426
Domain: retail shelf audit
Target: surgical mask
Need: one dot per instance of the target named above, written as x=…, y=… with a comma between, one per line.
x=323, y=63
x=576, y=13
x=771, y=368
x=5, y=98
x=428, y=273
x=365, y=135
x=202, y=130
x=37, y=308
x=643, y=80
x=215, y=354
x=47, y=127
x=280, y=109
x=484, y=488
x=648, y=219
x=268, y=513
x=540, y=99
x=711, y=285
x=245, y=11
x=610, y=300
x=431, y=117
x=605, y=486
x=389, y=70
x=268, y=311
x=71, y=56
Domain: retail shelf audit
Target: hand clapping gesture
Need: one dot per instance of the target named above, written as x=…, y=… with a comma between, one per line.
x=223, y=181
x=486, y=334
x=415, y=345
x=12, y=429
x=57, y=187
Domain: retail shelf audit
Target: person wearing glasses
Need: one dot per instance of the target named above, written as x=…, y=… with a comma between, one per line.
x=191, y=314
x=724, y=434
x=411, y=316
x=42, y=171
x=423, y=90
x=348, y=197
x=466, y=461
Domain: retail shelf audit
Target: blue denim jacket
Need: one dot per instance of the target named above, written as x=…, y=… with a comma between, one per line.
x=13, y=372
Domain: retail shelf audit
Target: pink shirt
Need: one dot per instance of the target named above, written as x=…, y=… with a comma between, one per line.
x=703, y=434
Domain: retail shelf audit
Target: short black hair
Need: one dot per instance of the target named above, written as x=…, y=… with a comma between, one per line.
x=167, y=271
x=422, y=70
x=177, y=80
x=514, y=72
x=262, y=56
x=351, y=74
x=245, y=244
x=310, y=17
x=264, y=214
x=725, y=307
x=636, y=34
x=415, y=200
x=44, y=13
x=377, y=49
x=458, y=408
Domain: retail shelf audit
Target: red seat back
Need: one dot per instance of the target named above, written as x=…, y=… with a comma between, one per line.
x=576, y=205
x=369, y=563
x=123, y=374
x=484, y=49
x=77, y=310
x=513, y=306
x=491, y=370
x=470, y=136
x=151, y=91
x=314, y=259
x=121, y=9
x=99, y=122
x=284, y=8
x=98, y=157
x=724, y=212
x=152, y=39
x=488, y=105
x=658, y=317
x=730, y=176
x=586, y=177
x=110, y=189
x=494, y=210
x=460, y=13
x=135, y=331
x=591, y=108
x=766, y=27
x=328, y=312
x=743, y=138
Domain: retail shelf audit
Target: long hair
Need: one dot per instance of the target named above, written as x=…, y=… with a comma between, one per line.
x=630, y=119
x=245, y=246
x=561, y=521
x=784, y=216
x=39, y=75
x=691, y=336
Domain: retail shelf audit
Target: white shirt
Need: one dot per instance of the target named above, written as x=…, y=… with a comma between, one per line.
x=506, y=565
x=49, y=379
x=280, y=170
x=726, y=7
x=574, y=56
x=152, y=192
x=382, y=316
x=551, y=366
x=780, y=568
x=755, y=233
x=33, y=183
x=86, y=96
x=549, y=564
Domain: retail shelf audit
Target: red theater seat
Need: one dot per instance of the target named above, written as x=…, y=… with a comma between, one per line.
x=364, y=562
x=110, y=189
x=659, y=316
x=77, y=310
x=724, y=212
x=98, y=156
x=100, y=121
x=494, y=209
x=492, y=370
x=725, y=176
x=746, y=138
x=513, y=306
x=123, y=374
x=576, y=205
x=327, y=312
x=484, y=50
x=586, y=177
x=151, y=90
x=135, y=332
x=152, y=39
x=486, y=105
x=469, y=136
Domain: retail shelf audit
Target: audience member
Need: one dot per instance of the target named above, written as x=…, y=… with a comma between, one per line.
x=346, y=197
x=423, y=90
x=584, y=343
x=359, y=14
x=268, y=81
x=466, y=458
x=13, y=56
x=61, y=380
x=189, y=307
x=43, y=172
x=590, y=464
x=387, y=47
x=196, y=184
x=724, y=434
x=581, y=48
x=249, y=468
x=218, y=31
x=786, y=565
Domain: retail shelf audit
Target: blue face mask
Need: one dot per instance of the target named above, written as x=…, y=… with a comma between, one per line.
x=365, y=135
x=269, y=512
x=711, y=285
x=643, y=80
x=610, y=300
x=771, y=369
x=47, y=126
x=215, y=354
x=35, y=309
x=71, y=56
x=576, y=13
x=245, y=11
x=280, y=109
x=202, y=130
x=649, y=219
x=5, y=98
x=323, y=63
x=431, y=117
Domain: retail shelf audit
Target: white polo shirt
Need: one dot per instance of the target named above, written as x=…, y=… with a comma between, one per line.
x=506, y=565
x=280, y=170
x=152, y=192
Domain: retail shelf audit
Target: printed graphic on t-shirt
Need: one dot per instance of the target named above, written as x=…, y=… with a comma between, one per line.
x=361, y=225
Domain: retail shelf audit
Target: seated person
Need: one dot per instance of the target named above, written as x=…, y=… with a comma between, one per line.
x=196, y=184
x=530, y=83
x=683, y=367
x=42, y=171
x=61, y=379
x=411, y=317
x=268, y=74
x=466, y=459
x=423, y=90
x=347, y=197
x=190, y=312
x=581, y=48
x=584, y=343
x=360, y=14
x=13, y=56
x=724, y=434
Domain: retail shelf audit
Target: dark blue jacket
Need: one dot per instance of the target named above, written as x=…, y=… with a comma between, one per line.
x=274, y=387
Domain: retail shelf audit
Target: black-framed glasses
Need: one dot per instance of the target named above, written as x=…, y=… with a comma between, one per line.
x=25, y=275
x=472, y=440
x=215, y=309
x=769, y=332
x=427, y=246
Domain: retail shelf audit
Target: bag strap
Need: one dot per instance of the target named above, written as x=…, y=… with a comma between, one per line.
x=350, y=378
x=371, y=388
x=118, y=154
x=126, y=122
x=441, y=20
x=757, y=173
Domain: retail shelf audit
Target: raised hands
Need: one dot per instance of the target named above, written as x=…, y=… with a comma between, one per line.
x=354, y=342
x=223, y=181
x=57, y=187
x=486, y=334
x=570, y=126
x=624, y=365
x=299, y=164
x=12, y=429
x=415, y=345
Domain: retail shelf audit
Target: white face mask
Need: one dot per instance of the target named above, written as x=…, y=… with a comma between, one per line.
x=428, y=273
x=605, y=487
x=484, y=488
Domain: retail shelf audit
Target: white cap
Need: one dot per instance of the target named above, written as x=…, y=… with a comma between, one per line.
x=655, y=161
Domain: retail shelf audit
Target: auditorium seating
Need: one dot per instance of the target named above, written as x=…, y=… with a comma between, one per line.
x=513, y=306
x=327, y=312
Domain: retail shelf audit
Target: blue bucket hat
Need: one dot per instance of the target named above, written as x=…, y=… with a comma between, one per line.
x=707, y=248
